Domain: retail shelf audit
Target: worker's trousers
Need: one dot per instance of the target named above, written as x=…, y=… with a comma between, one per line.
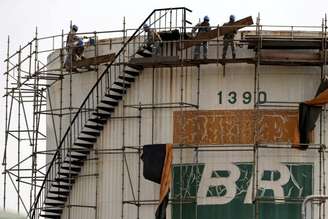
x=204, y=45
x=155, y=47
x=226, y=43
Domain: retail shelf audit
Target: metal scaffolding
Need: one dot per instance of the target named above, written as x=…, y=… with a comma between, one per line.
x=35, y=168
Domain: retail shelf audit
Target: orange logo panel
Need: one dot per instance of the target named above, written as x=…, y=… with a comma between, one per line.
x=206, y=127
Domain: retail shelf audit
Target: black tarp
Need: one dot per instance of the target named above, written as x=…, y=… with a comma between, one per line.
x=161, y=209
x=170, y=35
x=173, y=35
x=153, y=159
x=308, y=115
x=157, y=160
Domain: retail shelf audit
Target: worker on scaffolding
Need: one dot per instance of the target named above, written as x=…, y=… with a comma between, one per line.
x=153, y=40
x=228, y=39
x=202, y=27
x=74, y=47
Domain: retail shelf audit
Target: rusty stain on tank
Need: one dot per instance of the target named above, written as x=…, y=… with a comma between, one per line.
x=206, y=127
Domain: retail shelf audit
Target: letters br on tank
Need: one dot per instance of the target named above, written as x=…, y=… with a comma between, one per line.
x=222, y=184
x=214, y=190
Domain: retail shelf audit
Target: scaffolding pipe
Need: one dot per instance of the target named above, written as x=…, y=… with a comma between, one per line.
x=4, y=163
x=19, y=127
x=322, y=198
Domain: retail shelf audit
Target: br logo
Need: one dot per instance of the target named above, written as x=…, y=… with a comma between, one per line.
x=205, y=190
x=224, y=178
x=221, y=183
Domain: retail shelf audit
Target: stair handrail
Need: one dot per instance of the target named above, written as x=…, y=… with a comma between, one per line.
x=35, y=203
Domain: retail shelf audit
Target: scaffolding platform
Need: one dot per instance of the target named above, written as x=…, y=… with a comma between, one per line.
x=287, y=59
x=175, y=61
x=285, y=43
x=87, y=62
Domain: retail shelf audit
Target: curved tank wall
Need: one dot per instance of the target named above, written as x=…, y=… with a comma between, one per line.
x=110, y=183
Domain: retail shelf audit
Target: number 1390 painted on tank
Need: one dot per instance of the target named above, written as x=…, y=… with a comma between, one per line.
x=246, y=97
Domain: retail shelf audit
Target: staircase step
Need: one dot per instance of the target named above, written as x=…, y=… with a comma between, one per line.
x=95, y=127
x=107, y=109
x=123, y=85
x=57, y=198
x=128, y=79
x=68, y=174
x=95, y=134
x=79, y=157
x=73, y=162
x=113, y=96
x=61, y=193
x=76, y=156
x=67, y=163
x=55, y=204
x=88, y=139
x=62, y=186
x=83, y=144
x=53, y=210
x=79, y=151
x=144, y=53
x=135, y=66
x=75, y=166
x=65, y=180
x=50, y=216
x=98, y=120
x=75, y=169
x=118, y=90
x=110, y=102
x=132, y=73
x=102, y=115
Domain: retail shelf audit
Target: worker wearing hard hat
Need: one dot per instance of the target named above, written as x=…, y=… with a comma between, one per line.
x=74, y=47
x=201, y=28
x=228, y=39
x=152, y=40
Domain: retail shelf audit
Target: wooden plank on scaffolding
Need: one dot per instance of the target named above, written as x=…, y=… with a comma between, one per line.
x=175, y=61
x=271, y=42
x=155, y=61
x=201, y=37
x=290, y=55
x=94, y=61
x=228, y=28
x=272, y=57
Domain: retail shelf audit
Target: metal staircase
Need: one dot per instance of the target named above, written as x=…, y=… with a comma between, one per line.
x=69, y=167
x=95, y=111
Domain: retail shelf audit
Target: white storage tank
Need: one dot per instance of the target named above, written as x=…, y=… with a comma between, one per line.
x=208, y=113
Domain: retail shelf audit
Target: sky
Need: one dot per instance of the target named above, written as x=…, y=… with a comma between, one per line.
x=19, y=18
